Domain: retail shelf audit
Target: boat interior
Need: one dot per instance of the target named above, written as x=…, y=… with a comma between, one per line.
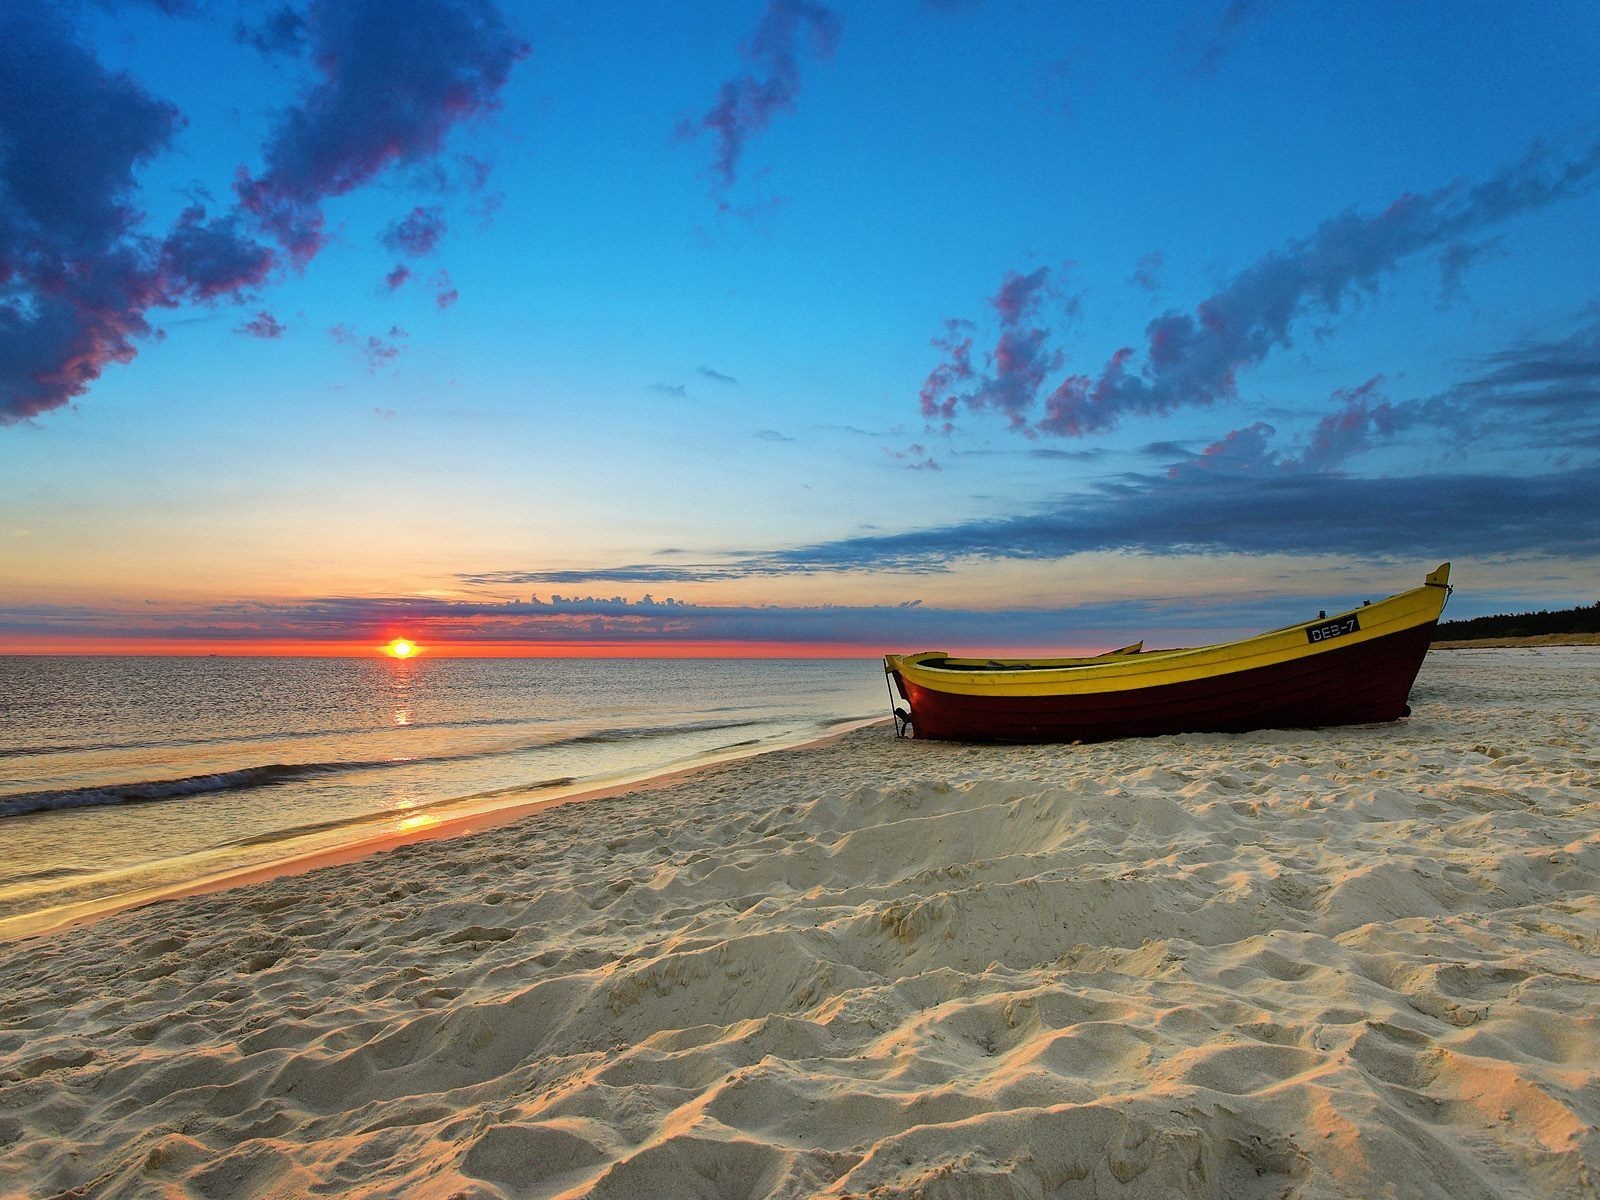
x=1024, y=664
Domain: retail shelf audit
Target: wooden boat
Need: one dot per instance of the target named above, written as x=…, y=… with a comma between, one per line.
x=1356, y=667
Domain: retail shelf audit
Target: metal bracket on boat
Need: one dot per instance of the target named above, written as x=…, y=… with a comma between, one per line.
x=902, y=723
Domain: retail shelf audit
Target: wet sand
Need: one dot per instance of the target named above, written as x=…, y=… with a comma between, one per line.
x=1359, y=962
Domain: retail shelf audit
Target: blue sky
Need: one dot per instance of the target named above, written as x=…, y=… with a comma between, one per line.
x=1255, y=306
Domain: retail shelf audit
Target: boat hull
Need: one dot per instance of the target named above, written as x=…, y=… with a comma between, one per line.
x=1361, y=683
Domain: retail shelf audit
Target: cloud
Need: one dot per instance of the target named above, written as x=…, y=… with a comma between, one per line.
x=1238, y=452
x=1545, y=394
x=1549, y=376
x=1057, y=77
x=629, y=573
x=263, y=325
x=1235, y=17
x=715, y=376
x=374, y=351
x=444, y=292
x=79, y=271
x=1019, y=295
x=1050, y=452
x=747, y=104
x=939, y=394
x=1251, y=513
x=204, y=259
x=670, y=389
x=1537, y=395
x=416, y=234
x=1246, y=493
x=1242, y=494
x=916, y=457
x=172, y=8
x=396, y=278
x=1018, y=365
x=1194, y=359
x=282, y=31
x=1345, y=432
x=395, y=77
x=1166, y=450
x=1239, y=512
x=1147, y=274
x=1455, y=259
x=772, y=435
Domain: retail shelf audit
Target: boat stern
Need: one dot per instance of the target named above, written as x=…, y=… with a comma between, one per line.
x=899, y=700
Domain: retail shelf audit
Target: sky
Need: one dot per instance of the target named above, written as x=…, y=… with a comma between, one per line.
x=788, y=327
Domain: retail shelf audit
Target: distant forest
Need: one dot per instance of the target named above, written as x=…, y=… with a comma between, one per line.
x=1533, y=624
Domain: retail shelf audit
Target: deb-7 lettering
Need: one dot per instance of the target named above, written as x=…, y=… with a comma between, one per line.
x=1337, y=627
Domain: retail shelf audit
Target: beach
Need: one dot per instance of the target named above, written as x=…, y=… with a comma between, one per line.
x=1358, y=962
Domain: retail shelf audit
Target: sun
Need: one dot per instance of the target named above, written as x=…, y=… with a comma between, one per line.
x=400, y=648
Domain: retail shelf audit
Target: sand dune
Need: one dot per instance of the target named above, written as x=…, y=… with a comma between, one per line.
x=1357, y=962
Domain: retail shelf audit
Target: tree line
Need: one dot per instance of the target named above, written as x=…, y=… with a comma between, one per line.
x=1584, y=619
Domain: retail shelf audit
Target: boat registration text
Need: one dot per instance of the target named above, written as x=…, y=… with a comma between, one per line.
x=1332, y=629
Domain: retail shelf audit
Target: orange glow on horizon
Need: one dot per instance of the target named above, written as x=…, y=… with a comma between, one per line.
x=274, y=648
x=401, y=648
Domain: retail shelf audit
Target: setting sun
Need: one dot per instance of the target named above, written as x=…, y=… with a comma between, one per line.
x=400, y=648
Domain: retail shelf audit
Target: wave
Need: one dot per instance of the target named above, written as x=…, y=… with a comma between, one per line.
x=43, y=875
x=636, y=733
x=271, y=774
x=163, y=789
x=281, y=735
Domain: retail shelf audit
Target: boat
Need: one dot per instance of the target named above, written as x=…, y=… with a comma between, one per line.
x=1352, y=668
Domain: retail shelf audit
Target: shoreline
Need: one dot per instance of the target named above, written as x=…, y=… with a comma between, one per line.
x=56, y=919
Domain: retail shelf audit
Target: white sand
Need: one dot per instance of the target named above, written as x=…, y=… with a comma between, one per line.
x=1344, y=963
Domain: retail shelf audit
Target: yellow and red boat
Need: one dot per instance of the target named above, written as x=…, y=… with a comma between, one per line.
x=1354, y=668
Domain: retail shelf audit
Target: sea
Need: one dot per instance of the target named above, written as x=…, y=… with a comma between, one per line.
x=121, y=776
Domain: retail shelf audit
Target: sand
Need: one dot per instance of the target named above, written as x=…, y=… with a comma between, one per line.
x=1360, y=962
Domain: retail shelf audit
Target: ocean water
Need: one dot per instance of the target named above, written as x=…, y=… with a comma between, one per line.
x=119, y=775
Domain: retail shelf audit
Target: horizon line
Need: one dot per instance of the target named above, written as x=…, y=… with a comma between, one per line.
x=135, y=648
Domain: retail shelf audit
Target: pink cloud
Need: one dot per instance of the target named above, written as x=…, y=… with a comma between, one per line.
x=746, y=105
x=263, y=325
x=395, y=77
